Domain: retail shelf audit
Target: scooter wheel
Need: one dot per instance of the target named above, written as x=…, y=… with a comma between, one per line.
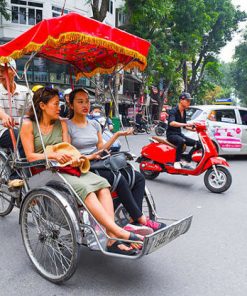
x=159, y=131
x=135, y=131
x=149, y=175
x=148, y=130
x=218, y=184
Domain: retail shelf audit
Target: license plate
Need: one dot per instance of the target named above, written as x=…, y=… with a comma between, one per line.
x=162, y=237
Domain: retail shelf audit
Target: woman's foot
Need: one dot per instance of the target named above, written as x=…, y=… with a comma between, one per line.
x=138, y=238
x=120, y=247
x=145, y=221
x=154, y=224
x=131, y=236
x=138, y=229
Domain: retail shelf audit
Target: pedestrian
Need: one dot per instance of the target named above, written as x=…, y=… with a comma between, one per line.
x=97, y=114
x=64, y=107
x=11, y=106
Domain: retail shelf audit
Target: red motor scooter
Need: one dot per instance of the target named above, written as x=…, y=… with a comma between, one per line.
x=160, y=155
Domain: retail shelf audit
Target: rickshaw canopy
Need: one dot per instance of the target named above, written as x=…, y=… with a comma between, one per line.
x=90, y=46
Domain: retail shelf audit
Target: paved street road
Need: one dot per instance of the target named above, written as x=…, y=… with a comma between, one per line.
x=210, y=260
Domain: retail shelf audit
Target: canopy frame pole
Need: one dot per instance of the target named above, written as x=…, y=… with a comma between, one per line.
x=28, y=97
x=32, y=104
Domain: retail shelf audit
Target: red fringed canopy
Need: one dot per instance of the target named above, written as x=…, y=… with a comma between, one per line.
x=90, y=46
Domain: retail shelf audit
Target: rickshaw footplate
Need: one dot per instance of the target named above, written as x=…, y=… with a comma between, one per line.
x=160, y=238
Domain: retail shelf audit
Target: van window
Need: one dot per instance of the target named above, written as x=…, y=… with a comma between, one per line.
x=226, y=116
x=243, y=115
x=192, y=113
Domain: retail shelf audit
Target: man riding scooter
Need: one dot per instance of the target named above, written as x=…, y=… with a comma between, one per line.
x=177, y=120
x=141, y=121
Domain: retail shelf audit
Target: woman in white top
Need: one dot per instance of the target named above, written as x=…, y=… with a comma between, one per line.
x=87, y=138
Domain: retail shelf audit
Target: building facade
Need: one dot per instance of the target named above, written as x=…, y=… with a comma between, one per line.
x=24, y=14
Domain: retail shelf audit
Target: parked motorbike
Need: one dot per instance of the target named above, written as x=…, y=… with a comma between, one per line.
x=160, y=128
x=140, y=129
x=160, y=157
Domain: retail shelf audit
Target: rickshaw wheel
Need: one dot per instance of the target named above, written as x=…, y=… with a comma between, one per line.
x=148, y=205
x=49, y=236
x=6, y=201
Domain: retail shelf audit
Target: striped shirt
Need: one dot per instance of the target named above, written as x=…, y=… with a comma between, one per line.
x=17, y=102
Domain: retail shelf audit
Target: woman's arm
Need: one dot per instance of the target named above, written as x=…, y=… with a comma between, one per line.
x=27, y=140
x=100, y=143
x=66, y=137
x=115, y=136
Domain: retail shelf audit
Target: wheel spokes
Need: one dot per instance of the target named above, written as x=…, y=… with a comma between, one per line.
x=48, y=236
x=217, y=181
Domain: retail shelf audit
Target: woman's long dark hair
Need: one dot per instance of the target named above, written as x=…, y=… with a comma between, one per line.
x=44, y=94
x=72, y=97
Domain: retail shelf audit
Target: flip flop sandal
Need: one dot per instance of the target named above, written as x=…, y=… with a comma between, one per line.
x=136, y=238
x=115, y=249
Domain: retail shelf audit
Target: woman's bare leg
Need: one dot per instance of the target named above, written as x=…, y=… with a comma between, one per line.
x=104, y=197
x=106, y=217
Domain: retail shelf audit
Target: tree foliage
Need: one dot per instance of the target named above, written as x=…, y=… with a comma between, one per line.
x=239, y=71
x=3, y=10
x=186, y=36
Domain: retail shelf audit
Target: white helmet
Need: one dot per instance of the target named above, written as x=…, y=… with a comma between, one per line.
x=67, y=91
x=11, y=63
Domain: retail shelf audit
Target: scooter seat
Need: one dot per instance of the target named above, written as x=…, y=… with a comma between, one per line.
x=163, y=140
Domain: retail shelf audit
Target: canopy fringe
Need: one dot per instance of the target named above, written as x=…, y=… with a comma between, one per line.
x=81, y=38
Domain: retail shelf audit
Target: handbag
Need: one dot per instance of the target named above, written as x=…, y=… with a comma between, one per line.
x=114, y=163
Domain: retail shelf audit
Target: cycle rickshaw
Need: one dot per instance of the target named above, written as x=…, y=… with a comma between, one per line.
x=53, y=223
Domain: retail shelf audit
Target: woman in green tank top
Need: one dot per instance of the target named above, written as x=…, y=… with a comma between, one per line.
x=92, y=189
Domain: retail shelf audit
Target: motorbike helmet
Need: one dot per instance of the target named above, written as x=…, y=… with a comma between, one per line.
x=11, y=63
x=67, y=91
x=36, y=87
x=185, y=95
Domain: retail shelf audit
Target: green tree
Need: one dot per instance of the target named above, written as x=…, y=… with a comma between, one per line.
x=239, y=71
x=3, y=10
x=221, y=20
x=186, y=36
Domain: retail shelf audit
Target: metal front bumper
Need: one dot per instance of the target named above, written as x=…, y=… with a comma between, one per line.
x=165, y=235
